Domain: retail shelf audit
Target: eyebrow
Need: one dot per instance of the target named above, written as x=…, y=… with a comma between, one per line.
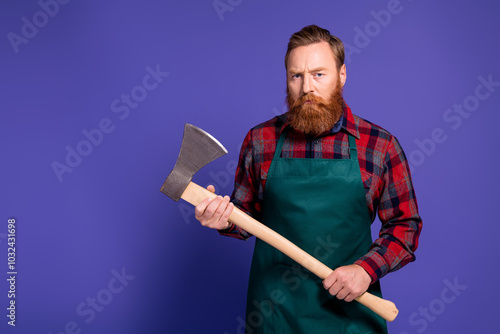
x=318, y=69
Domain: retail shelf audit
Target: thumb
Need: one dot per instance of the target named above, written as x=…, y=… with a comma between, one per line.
x=211, y=188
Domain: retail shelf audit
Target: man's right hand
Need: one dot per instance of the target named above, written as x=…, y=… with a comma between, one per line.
x=214, y=213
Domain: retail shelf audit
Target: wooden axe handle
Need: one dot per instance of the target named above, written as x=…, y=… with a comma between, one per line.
x=194, y=194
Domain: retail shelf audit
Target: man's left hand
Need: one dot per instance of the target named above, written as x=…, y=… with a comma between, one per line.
x=347, y=282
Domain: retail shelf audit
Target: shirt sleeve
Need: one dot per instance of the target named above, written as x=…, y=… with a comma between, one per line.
x=398, y=212
x=244, y=193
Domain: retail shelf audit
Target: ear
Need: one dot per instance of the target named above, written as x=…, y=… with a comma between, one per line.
x=342, y=75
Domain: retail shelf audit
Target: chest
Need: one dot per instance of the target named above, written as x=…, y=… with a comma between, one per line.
x=334, y=147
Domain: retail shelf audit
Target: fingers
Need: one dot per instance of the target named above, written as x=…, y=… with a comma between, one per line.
x=347, y=283
x=199, y=210
x=345, y=295
x=214, y=213
x=224, y=220
x=340, y=291
x=334, y=286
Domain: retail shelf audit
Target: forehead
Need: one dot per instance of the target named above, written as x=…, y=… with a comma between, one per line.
x=311, y=56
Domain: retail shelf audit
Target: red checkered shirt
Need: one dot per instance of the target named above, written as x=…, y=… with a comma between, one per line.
x=384, y=171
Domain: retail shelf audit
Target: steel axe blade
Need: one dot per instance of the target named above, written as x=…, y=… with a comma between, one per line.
x=198, y=148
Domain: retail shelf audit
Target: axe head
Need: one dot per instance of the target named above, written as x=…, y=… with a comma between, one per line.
x=198, y=149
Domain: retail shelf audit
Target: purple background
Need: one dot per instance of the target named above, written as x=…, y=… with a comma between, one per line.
x=226, y=75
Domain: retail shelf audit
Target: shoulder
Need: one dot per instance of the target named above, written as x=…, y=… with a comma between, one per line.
x=375, y=140
x=367, y=128
x=267, y=130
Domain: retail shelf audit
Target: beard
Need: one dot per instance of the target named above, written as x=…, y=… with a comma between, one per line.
x=315, y=117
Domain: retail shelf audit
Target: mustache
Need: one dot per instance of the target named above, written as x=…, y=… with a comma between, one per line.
x=308, y=97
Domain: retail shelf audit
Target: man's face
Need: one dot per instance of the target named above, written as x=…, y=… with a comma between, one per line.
x=312, y=69
x=314, y=88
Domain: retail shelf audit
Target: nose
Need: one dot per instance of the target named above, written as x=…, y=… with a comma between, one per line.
x=306, y=85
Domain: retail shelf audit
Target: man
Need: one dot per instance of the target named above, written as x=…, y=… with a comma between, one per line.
x=317, y=175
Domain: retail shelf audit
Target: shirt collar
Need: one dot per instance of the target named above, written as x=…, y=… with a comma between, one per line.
x=346, y=122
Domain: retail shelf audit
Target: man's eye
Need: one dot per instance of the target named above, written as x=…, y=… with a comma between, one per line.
x=296, y=76
x=319, y=74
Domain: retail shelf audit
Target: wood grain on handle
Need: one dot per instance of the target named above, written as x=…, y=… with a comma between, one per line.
x=194, y=194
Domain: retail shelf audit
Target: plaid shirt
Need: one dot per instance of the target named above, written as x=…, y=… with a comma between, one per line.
x=384, y=171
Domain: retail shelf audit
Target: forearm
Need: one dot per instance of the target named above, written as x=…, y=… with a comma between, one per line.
x=398, y=212
x=393, y=249
x=244, y=193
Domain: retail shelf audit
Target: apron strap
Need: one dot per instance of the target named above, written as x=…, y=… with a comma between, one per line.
x=353, y=152
x=277, y=153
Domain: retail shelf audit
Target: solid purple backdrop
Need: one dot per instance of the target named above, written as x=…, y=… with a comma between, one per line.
x=101, y=250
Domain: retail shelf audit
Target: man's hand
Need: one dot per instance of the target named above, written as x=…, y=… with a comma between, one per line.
x=214, y=213
x=347, y=282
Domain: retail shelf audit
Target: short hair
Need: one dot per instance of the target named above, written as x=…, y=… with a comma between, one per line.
x=313, y=34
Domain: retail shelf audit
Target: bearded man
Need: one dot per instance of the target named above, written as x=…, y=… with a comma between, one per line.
x=318, y=175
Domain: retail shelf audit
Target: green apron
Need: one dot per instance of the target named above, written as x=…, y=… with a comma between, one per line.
x=320, y=205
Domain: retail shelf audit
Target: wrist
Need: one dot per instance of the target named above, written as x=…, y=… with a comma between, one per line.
x=227, y=229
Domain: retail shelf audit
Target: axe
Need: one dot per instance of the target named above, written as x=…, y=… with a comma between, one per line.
x=200, y=148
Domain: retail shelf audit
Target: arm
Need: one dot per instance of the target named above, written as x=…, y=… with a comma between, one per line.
x=398, y=212
x=215, y=213
x=398, y=237
x=244, y=193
